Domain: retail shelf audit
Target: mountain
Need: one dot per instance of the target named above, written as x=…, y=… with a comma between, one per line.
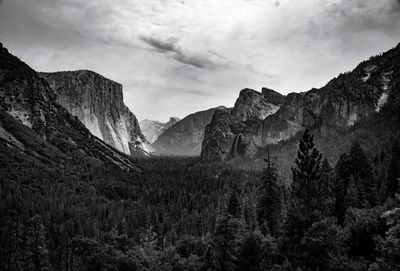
x=37, y=131
x=98, y=104
x=238, y=132
x=152, y=129
x=185, y=136
x=336, y=113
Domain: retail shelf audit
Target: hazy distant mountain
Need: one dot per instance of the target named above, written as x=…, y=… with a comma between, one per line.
x=152, y=129
x=334, y=112
x=36, y=129
x=98, y=103
x=185, y=136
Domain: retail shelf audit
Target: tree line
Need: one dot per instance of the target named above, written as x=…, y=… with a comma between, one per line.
x=182, y=214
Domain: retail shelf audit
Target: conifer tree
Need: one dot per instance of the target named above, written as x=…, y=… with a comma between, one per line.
x=306, y=175
x=307, y=170
x=227, y=237
x=361, y=171
x=269, y=205
x=342, y=181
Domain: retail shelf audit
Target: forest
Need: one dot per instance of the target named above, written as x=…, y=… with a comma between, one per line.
x=185, y=214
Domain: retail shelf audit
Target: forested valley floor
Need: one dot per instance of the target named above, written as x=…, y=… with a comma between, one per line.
x=184, y=214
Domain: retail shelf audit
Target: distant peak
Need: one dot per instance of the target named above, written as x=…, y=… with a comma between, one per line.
x=272, y=96
x=174, y=119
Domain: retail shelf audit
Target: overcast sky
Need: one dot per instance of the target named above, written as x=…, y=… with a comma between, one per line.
x=175, y=57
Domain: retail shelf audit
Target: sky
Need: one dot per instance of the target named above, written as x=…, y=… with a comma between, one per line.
x=176, y=57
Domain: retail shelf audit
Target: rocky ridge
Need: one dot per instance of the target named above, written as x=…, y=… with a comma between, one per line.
x=34, y=125
x=348, y=99
x=237, y=132
x=98, y=104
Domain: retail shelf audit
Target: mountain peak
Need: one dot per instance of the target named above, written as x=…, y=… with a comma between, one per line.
x=98, y=103
x=273, y=96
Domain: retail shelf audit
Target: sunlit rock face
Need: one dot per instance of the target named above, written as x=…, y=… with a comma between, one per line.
x=152, y=129
x=185, y=137
x=238, y=132
x=33, y=123
x=98, y=104
x=260, y=119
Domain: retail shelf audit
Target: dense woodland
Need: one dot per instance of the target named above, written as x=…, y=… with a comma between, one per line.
x=184, y=214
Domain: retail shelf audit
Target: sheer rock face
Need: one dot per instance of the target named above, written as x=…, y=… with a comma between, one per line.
x=345, y=100
x=152, y=129
x=238, y=132
x=98, y=104
x=28, y=99
x=185, y=136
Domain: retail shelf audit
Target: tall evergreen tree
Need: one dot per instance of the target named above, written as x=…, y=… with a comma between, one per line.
x=361, y=171
x=227, y=237
x=302, y=210
x=269, y=207
x=307, y=171
x=342, y=180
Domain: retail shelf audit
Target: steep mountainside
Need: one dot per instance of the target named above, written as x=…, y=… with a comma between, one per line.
x=98, y=104
x=33, y=125
x=152, y=129
x=185, y=136
x=238, y=132
x=351, y=98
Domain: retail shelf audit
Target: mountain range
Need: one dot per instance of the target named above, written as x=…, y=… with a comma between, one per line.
x=82, y=114
x=152, y=129
x=360, y=105
x=185, y=137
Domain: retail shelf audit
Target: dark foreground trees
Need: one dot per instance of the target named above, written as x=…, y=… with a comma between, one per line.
x=180, y=214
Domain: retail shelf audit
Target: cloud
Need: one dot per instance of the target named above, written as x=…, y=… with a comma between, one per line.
x=172, y=54
x=208, y=60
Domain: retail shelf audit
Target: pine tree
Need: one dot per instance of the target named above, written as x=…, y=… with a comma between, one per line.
x=269, y=205
x=306, y=175
x=352, y=195
x=361, y=171
x=227, y=237
x=307, y=170
x=325, y=199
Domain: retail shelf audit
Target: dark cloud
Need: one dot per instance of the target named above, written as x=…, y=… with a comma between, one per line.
x=210, y=60
x=166, y=46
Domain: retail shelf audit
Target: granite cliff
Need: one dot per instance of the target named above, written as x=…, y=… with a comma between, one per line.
x=351, y=98
x=36, y=128
x=98, y=104
x=238, y=132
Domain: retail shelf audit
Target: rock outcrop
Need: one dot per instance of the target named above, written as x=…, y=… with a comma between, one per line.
x=35, y=125
x=152, y=129
x=350, y=98
x=184, y=138
x=98, y=104
x=238, y=132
